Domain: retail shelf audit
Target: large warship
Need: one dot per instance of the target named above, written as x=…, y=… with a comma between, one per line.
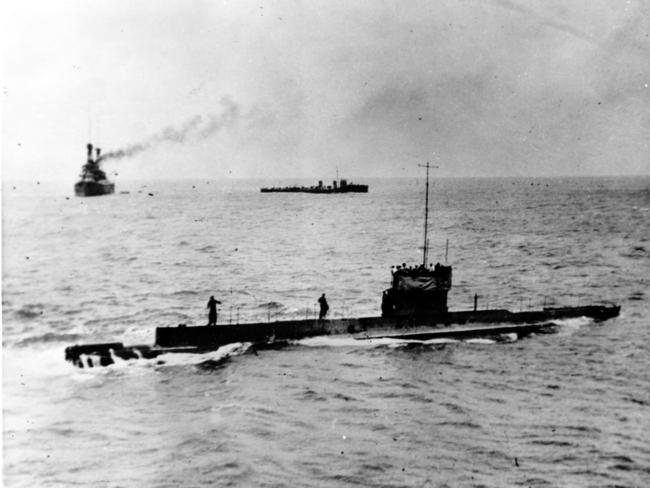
x=93, y=181
x=414, y=307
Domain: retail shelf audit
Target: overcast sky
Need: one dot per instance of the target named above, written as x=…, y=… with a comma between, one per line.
x=279, y=89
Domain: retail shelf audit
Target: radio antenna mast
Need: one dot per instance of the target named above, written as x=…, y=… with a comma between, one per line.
x=425, y=252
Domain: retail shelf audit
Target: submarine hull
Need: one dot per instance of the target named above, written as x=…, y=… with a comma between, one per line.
x=199, y=339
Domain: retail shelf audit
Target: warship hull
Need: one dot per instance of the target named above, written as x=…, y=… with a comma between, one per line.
x=452, y=325
x=93, y=188
x=325, y=190
x=341, y=186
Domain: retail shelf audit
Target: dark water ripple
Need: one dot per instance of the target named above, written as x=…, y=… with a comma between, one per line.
x=562, y=409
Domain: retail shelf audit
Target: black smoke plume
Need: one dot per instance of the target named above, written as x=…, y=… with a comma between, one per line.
x=197, y=128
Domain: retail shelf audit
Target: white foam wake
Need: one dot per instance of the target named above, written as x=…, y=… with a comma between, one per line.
x=570, y=326
x=191, y=359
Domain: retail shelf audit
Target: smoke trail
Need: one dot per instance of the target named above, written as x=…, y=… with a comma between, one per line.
x=126, y=152
x=197, y=128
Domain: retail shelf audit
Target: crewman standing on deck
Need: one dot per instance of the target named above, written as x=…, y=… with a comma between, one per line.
x=212, y=314
x=324, y=307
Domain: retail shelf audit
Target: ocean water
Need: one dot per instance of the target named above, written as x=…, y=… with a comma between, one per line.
x=567, y=409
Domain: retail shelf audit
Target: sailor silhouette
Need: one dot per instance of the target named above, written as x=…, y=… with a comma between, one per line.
x=212, y=314
x=324, y=307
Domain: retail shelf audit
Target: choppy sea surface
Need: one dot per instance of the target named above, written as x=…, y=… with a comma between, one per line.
x=567, y=409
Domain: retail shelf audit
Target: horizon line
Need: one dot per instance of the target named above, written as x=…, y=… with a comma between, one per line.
x=301, y=178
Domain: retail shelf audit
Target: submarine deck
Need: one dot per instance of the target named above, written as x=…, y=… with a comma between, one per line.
x=204, y=336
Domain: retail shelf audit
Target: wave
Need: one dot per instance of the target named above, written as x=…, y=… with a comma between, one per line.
x=208, y=361
x=637, y=296
x=214, y=364
x=636, y=252
x=453, y=407
x=205, y=362
x=325, y=341
x=309, y=394
x=552, y=442
x=638, y=401
x=30, y=311
x=185, y=293
x=582, y=429
x=570, y=326
x=48, y=338
x=207, y=249
x=393, y=343
x=341, y=396
x=461, y=424
x=271, y=305
x=480, y=341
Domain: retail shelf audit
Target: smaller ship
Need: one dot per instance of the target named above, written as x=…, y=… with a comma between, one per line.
x=341, y=186
x=93, y=180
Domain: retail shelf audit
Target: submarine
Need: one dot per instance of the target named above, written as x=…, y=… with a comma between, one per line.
x=413, y=307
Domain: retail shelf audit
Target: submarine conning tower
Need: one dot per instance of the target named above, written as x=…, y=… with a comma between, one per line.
x=417, y=290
